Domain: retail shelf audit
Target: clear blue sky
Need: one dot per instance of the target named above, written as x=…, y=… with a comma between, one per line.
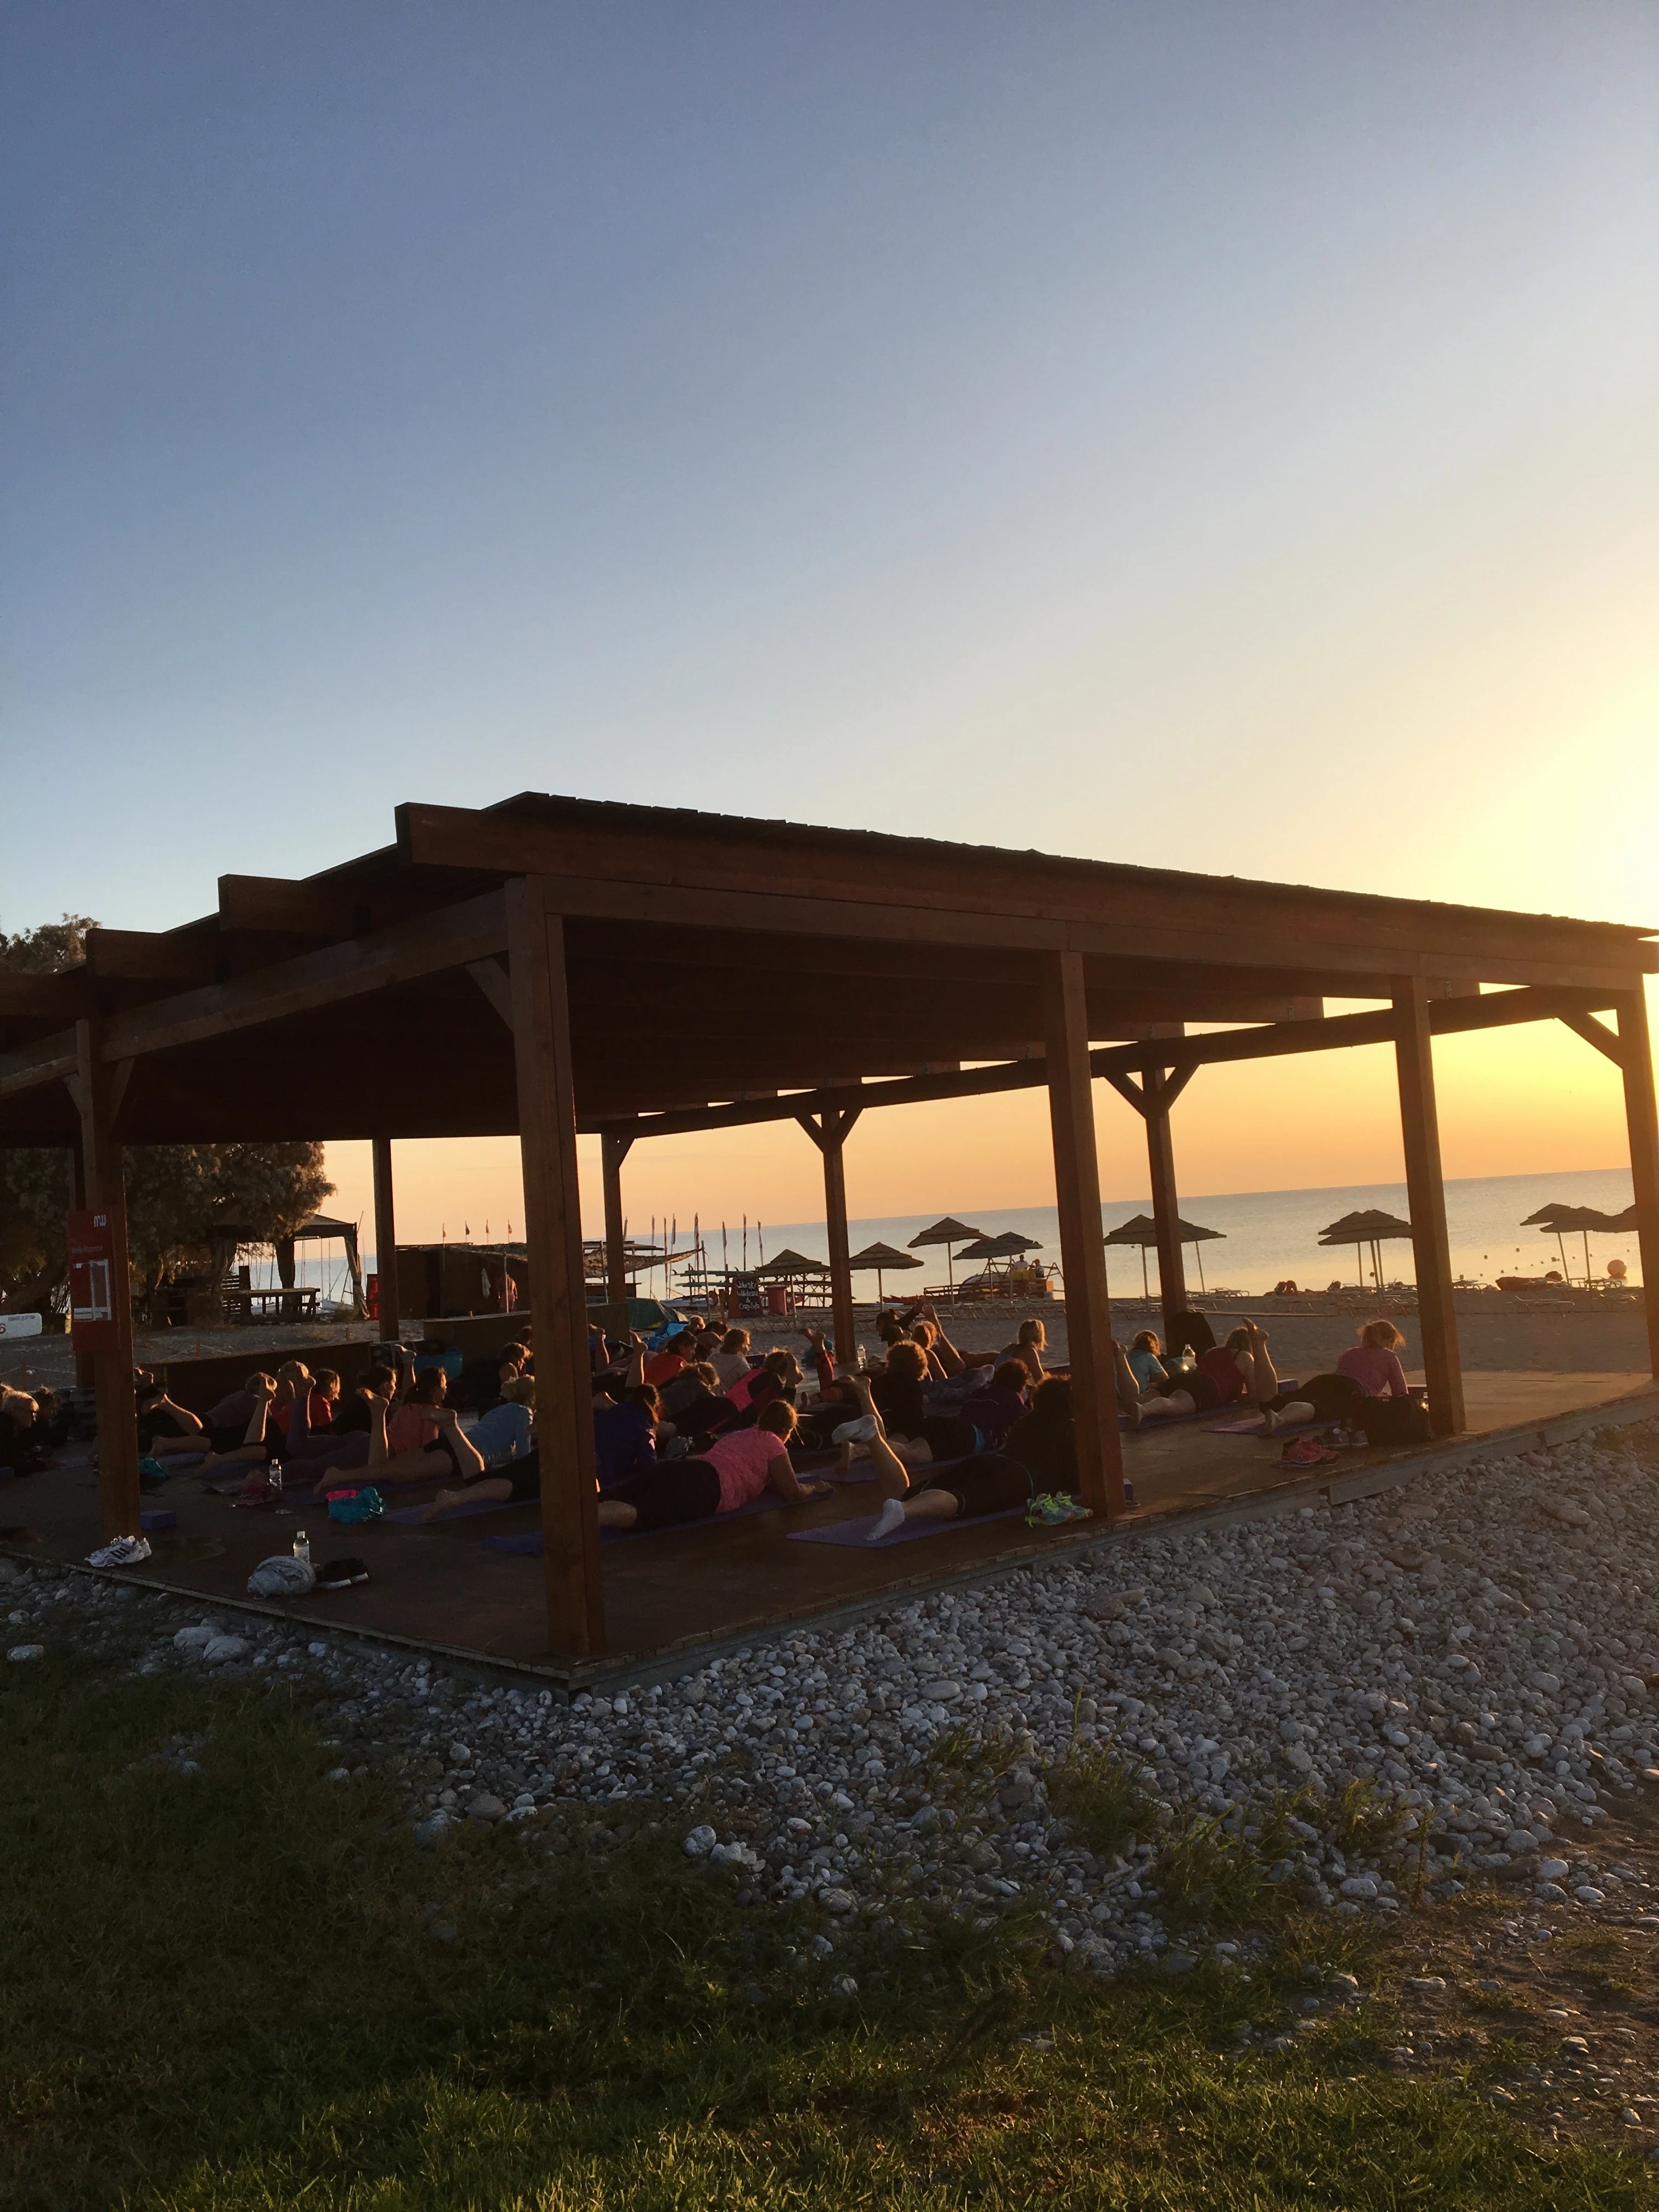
x=1220, y=435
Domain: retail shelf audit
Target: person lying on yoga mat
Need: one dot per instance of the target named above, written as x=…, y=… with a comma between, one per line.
x=692, y=1406
x=1145, y=1358
x=735, y=1470
x=419, y=1441
x=625, y=1432
x=897, y=1385
x=1044, y=1441
x=1030, y=1342
x=989, y=1482
x=504, y=1440
x=161, y=1420
x=944, y=1357
x=981, y=1424
x=1239, y=1369
x=731, y=1362
x=1366, y=1373
x=779, y=1376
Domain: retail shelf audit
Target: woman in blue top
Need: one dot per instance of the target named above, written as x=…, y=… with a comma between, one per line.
x=1146, y=1362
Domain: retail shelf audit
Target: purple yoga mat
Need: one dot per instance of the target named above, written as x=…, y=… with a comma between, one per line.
x=768, y=1502
x=855, y=1532
x=1250, y=1425
x=416, y=1516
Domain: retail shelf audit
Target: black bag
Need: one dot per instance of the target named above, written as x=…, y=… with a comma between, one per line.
x=1394, y=1421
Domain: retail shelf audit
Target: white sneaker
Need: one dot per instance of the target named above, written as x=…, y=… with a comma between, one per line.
x=125, y=1551
x=891, y=1516
x=855, y=1432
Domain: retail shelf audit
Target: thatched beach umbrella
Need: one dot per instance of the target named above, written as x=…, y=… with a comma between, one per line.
x=881, y=1257
x=1140, y=1228
x=947, y=1232
x=1371, y=1226
x=1554, y=1220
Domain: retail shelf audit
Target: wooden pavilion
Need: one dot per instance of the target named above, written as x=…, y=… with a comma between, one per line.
x=551, y=965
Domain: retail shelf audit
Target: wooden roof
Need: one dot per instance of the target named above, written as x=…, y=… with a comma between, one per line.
x=710, y=957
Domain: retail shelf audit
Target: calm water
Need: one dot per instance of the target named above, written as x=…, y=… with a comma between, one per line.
x=1266, y=1235
x=1271, y=1234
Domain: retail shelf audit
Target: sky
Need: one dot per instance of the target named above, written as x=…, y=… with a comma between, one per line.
x=1219, y=436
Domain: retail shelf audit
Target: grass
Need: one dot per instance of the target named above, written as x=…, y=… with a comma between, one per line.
x=226, y=1993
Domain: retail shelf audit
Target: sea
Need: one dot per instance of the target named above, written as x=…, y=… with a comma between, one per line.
x=1264, y=1237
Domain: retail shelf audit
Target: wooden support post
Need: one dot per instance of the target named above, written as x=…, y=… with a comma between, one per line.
x=1166, y=1211
x=614, y=1149
x=1082, y=1253
x=386, y=1240
x=830, y=1131
x=1419, y=1124
x=85, y=1375
x=1636, y=1054
x=106, y=1192
x=553, y=1225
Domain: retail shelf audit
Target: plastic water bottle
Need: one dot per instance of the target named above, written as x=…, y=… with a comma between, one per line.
x=303, y=1547
x=274, y=1480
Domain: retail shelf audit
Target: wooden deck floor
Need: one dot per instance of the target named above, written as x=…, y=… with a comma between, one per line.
x=443, y=1588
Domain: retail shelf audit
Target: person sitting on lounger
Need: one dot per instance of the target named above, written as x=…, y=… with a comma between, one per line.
x=734, y=1470
x=989, y=1482
x=1238, y=1370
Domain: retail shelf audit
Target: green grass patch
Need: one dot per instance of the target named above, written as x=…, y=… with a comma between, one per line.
x=245, y=1990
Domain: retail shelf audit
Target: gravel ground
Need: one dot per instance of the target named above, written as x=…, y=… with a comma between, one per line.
x=1479, y=1649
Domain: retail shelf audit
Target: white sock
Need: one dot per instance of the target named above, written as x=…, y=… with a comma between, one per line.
x=890, y=1516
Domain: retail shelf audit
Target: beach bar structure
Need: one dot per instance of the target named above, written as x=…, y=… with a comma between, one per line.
x=567, y=954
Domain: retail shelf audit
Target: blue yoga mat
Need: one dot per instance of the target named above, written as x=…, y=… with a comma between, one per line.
x=530, y=1541
x=416, y=1516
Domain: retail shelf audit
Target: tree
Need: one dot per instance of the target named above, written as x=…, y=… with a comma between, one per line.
x=188, y=1205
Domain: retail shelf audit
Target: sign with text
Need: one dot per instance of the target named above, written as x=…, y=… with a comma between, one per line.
x=91, y=1269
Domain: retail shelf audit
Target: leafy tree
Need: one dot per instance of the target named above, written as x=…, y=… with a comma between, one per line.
x=188, y=1205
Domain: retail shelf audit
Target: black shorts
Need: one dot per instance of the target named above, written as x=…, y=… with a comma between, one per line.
x=950, y=1435
x=524, y=1473
x=1201, y=1389
x=671, y=1494
x=990, y=1482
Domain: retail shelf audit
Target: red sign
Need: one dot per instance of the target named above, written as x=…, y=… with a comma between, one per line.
x=92, y=1270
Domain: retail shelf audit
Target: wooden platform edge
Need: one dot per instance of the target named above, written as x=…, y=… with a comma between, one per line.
x=692, y=1653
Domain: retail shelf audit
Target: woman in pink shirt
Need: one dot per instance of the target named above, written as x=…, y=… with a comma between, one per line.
x=735, y=1470
x=1373, y=1362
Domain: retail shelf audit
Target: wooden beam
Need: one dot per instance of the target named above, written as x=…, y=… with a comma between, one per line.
x=1166, y=1208
x=60, y=997
x=655, y=850
x=389, y=1301
x=1082, y=1254
x=1177, y=1057
x=278, y=906
x=1598, y=1034
x=493, y=980
x=112, y=1364
x=1430, y=1243
x=152, y=956
x=829, y=1130
x=1127, y=1088
x=564, y=1373
x=1642, y=1121
x=614, y=1148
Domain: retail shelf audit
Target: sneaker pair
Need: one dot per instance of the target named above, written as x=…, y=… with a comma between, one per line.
x=340, y=1574
x=1305, y=1451
x=123, y=1551
x=1052, y=1508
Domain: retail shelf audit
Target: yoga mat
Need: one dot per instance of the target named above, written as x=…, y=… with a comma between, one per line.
x=531, y=1540
x=855, y=1532
x=1250, y=1425
x=416, y=1516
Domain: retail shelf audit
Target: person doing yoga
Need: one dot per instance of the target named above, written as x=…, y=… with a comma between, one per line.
x=1240, y=1368
x=1367, y=1372
x=734, y=1471
x=989, y=1482
x=1030, y=1342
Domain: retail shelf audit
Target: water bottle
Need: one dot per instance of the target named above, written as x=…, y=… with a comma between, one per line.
x=274, y=1480
x=303, y=1547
